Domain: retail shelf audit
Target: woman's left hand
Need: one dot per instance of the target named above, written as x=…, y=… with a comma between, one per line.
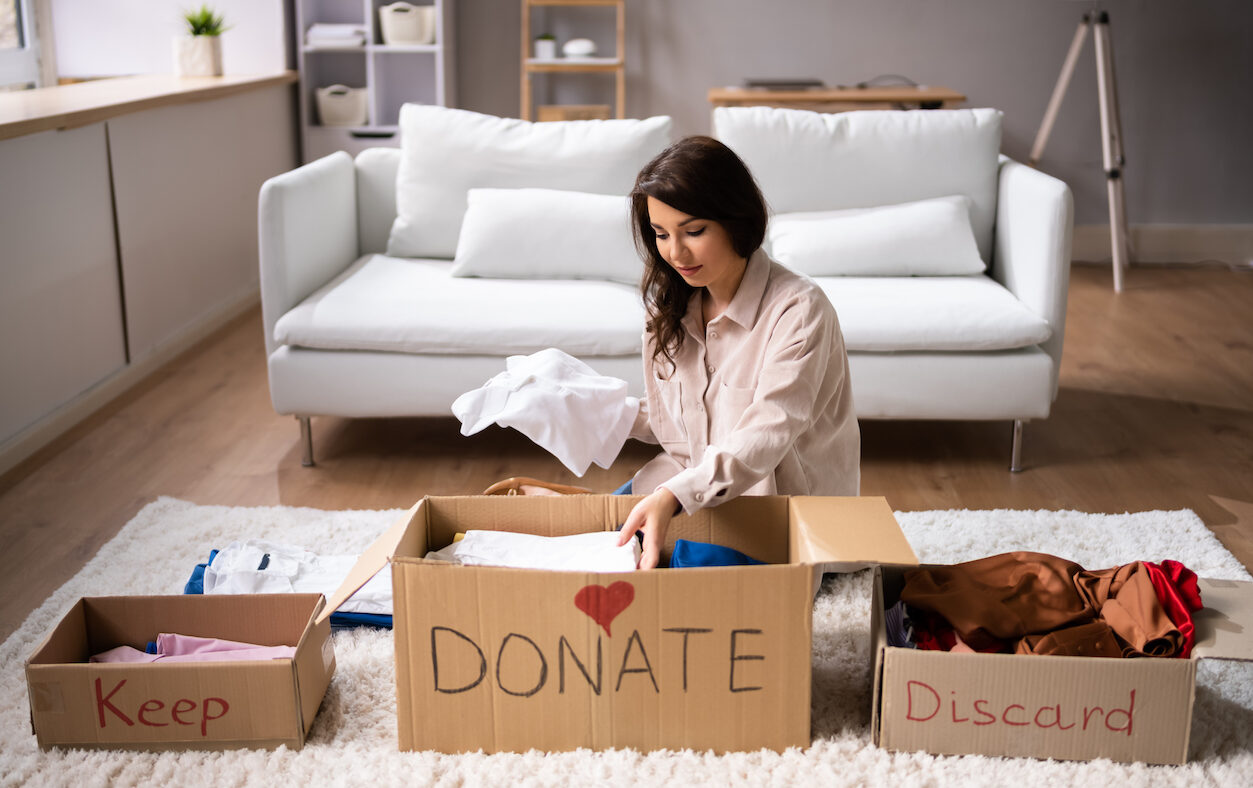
x=651, y=516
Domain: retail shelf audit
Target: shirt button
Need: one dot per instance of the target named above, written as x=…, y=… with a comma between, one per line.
x=700, y=497
x=713, y=334
x=710, y=369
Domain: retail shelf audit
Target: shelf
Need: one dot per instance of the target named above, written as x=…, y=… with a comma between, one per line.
x=574, y=64
x=392, y=74
x=406, y=48
x=573, y=2
x=311, y=48
x=614, y=66
x=383, y=48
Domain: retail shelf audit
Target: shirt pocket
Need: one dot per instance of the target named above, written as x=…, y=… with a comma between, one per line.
x=667, y=418
x=733, y=401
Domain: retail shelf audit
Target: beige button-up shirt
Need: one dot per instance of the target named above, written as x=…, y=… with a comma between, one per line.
x=759, y=401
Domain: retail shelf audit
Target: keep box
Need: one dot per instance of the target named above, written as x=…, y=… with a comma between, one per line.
x=181, y=706
x=718, y=659
x=1062, y=707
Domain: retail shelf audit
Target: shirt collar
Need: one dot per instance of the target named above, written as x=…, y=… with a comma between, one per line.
x=747, y=299
x=744, y=304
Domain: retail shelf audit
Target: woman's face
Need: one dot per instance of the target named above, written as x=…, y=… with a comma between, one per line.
x=699, y=249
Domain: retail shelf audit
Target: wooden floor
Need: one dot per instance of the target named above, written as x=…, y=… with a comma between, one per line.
x=1155, y=412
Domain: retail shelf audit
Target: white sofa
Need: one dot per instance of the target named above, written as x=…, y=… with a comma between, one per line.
x=352, y=332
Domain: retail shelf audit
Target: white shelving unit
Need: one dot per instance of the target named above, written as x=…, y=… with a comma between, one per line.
x=391, y=74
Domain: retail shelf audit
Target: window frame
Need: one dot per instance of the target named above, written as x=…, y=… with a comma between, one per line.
x=20, y=65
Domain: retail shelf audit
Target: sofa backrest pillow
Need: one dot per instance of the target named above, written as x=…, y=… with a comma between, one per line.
x=923, y=238
x=446, y=152
x=807, y=161
x=547, y=234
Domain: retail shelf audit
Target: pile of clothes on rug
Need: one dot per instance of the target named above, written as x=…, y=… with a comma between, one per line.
x=1035, y=603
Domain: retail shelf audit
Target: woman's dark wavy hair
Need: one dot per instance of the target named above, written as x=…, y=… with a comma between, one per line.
x=703, y=178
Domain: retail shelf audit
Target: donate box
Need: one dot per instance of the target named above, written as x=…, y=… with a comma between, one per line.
x=1068, y=708
x=716, y=659
x=189, y=705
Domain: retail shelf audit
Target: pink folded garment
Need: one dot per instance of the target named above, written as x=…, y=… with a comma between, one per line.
x=186, y=648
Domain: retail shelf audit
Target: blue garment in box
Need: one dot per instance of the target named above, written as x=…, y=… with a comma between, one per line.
x=195, y=585
x=687, y=554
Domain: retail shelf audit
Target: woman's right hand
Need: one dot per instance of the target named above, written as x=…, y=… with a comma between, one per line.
x=651, y=516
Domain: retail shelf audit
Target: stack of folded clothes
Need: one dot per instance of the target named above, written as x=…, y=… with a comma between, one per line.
x=323, y=34
x=1034, y=603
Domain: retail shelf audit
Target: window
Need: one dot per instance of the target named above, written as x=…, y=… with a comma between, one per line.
x=19, y=50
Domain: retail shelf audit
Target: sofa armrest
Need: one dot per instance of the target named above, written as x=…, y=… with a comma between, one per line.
x=308, y=233
x=1034, y=224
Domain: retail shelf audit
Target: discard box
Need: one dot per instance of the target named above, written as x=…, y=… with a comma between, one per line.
x=1068, y=708
x=180, y=706
x=710, y=659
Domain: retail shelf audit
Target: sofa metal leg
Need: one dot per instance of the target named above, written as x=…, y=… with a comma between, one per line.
x=306, y=441
x=1015, y=455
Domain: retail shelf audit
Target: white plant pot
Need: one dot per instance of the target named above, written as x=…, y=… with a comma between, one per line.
x=545, y=49
x=198, y=56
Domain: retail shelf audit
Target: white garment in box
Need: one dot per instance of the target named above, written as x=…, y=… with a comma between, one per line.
x=557, y=401
x=591, y=552
x=292, y=570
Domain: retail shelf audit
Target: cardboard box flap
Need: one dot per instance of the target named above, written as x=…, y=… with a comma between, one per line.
x=371, y=561
x=1224, y=627
x=847, y=534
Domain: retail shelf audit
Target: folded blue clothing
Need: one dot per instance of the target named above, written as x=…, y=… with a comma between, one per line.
x=688, y=554
x=339, y=620
x=195, y=583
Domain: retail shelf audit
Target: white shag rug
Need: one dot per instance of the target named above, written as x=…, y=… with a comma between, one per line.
x=353, y=741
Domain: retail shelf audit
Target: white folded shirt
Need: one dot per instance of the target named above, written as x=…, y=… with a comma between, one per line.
x=293, y=570
x=591, y=552
x=558, y=402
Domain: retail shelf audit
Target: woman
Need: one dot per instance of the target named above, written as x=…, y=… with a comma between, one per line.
x=747, y=386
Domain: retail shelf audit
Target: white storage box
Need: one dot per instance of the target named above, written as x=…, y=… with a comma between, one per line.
x=340, y=105
x=405, y=23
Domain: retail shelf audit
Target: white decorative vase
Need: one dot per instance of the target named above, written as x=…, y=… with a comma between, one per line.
x=545, y=49
x=198, y=56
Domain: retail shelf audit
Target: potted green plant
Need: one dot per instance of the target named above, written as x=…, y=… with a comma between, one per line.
x=545, y=46
x=198, y=53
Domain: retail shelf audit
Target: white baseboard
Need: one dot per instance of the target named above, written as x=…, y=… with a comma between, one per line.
x=1170, y=243
x=30, y=440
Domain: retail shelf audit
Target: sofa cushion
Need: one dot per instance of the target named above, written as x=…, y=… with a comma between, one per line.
x=446, y=152
x=923, y=238
x=417, y=306
x=807, y=161
x=547, y=234
x=931, y=313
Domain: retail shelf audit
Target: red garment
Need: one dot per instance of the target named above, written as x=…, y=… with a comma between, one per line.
x=1177, y=591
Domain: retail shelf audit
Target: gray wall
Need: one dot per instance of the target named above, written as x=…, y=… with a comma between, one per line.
x=1185, y=77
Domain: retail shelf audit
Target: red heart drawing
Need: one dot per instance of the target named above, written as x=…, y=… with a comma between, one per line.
x=603, y=604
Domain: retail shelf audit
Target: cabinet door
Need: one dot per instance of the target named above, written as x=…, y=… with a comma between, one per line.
x=60, y=306
x=186, y=180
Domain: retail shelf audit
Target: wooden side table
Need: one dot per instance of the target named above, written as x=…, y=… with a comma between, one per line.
x=838, y=99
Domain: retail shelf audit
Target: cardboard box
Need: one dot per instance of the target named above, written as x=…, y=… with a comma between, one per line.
x=504, y=659
x=180, y=706
x=1068, y=708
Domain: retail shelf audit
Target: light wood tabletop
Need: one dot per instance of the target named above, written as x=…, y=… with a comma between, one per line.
x=83, y=103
